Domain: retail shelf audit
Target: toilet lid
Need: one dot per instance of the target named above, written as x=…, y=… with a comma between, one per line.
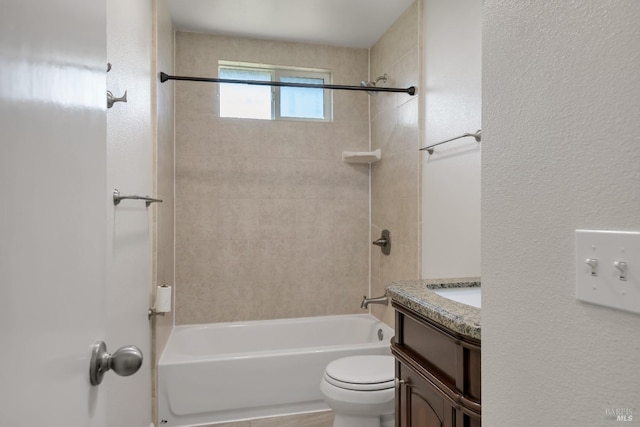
x=361, y=372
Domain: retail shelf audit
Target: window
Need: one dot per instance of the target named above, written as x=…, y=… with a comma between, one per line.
x=249, y=102
x=270, y=102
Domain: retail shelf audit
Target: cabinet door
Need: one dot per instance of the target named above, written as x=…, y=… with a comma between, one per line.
x=421, y=404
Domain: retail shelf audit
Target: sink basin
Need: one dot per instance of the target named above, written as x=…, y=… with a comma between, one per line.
x=469, y=296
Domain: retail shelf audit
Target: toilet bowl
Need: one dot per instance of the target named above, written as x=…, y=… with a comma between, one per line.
x=361, y=391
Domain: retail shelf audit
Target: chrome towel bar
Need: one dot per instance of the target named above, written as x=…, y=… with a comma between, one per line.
x=476, y=136
x=117, y=198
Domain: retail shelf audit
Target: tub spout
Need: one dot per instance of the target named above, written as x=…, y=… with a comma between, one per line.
x=379, y=300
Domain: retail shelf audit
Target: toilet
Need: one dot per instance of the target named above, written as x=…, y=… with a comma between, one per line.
x=361, y=391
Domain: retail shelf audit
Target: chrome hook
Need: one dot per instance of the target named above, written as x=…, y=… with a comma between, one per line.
x=112, y=99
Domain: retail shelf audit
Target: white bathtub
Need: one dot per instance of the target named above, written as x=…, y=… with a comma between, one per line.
x=235, y=371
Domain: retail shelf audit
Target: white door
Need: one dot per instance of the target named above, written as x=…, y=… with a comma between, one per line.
x=65, y=276
x=129, y=225
x=53, y=208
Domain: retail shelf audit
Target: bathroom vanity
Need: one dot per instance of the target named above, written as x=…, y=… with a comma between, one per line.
x=437, y=351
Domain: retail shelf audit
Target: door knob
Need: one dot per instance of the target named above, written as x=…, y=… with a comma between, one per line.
x=124, y=362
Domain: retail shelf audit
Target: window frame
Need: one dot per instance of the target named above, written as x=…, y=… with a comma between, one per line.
x=276, y=73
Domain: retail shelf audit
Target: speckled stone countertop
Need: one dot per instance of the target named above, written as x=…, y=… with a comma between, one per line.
x=417, y=295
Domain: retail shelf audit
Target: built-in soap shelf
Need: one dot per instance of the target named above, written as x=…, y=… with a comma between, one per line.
x=361, y=156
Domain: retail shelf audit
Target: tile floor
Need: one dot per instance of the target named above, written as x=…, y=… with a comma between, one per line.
x=315, y=419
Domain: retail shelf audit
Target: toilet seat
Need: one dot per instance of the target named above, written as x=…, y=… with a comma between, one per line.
x=361, y=373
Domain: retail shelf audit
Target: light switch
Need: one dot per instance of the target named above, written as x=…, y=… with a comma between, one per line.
x=608, y=268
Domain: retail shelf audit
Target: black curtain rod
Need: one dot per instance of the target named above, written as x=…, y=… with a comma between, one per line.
x=410, y=90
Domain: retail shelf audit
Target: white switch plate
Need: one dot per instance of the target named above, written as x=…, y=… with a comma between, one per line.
x=606, y=287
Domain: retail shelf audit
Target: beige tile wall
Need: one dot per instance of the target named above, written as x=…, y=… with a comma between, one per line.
x=270, y=223
x=395, y=129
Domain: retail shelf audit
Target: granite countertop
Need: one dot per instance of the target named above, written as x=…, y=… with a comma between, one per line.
x=418, y=296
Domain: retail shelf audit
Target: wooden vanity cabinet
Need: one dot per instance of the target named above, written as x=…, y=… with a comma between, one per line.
x=438, y=371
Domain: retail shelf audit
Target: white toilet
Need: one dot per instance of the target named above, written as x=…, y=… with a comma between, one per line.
x=361, y=391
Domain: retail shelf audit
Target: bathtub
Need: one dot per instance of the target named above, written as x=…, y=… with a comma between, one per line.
x=223, y=372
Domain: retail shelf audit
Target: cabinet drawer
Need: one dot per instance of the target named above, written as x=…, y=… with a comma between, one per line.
x=432, y=348
x=452, y=359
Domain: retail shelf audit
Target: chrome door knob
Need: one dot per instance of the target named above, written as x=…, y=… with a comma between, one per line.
x=124, y=362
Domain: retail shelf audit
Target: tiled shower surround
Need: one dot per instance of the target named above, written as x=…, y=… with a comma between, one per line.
x=395, y=129
x=270, y=223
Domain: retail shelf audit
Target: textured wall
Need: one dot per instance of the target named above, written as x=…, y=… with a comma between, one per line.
x=561, y=91
x=270, y=223
x=164, y=164
x=129, y=225
x=164, y=174
x=453, y=103
x=395, y=178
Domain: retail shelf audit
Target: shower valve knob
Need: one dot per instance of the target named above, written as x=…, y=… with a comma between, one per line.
x=380, y=242
x=384, y=242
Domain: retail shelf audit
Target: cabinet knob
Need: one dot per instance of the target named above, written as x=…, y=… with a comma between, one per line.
x=400, y=382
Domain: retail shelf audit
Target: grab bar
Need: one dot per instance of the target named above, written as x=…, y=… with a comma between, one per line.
x=476, y=136
x=117, y=198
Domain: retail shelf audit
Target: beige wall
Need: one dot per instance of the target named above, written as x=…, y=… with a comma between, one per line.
x=395, y=179
x=270, y=223
x=561, y=100
x=164, y=175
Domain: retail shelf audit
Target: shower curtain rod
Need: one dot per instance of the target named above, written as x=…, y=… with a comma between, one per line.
x=410, y=90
